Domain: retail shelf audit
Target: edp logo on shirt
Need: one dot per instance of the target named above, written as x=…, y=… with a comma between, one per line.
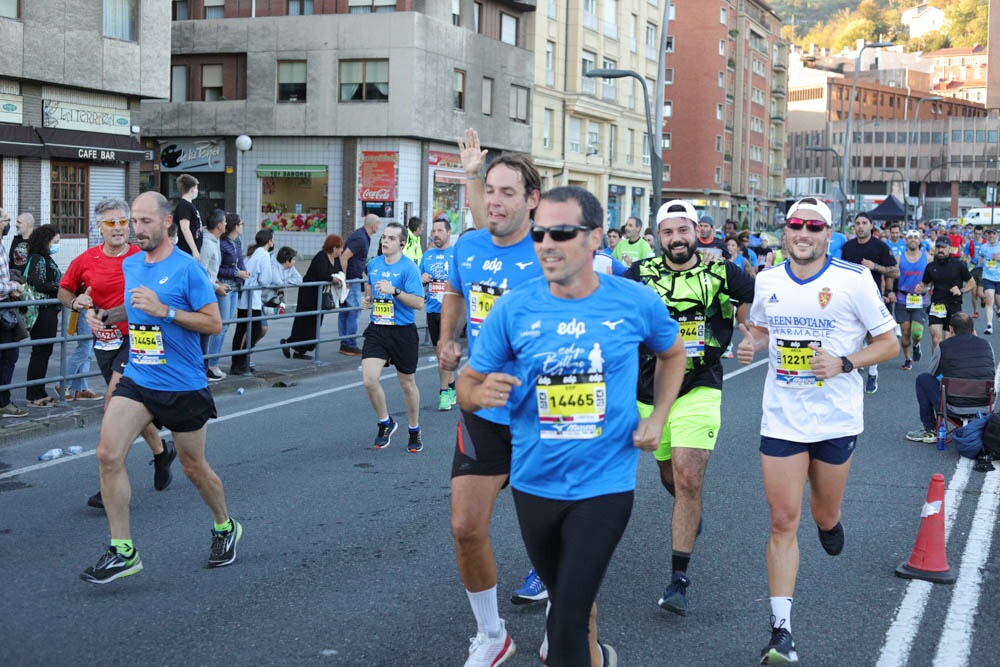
x=493, y=265
x=571, y=328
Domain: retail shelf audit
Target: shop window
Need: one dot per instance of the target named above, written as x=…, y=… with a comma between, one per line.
x=487, y=96
x=293, y=197
x=10, y=9
x=371, y=6
x=211, y=83
x=364, y=80
x=300, y=7
x=69, y=205
x=181, y=10
x=508, y=29
x=178, y=83
x=215, y=9
x=519, y=103
x=292, y=81
x=458, y=83
x=120, y=18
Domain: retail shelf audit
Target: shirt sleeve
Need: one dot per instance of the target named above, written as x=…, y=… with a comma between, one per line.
x=661, y=329
x=73, y=278
x=200, y=291
x=412, y=282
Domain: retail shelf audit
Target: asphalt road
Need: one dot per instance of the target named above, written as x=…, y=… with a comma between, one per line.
x=347, y=559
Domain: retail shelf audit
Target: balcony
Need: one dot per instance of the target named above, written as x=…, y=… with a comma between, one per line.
x=778, y=92
x=777, y=116
x=777, y=168
x=731, y=64
x=779, y=66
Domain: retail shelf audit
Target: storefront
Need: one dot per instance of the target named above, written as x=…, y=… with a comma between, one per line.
x=205, y=159
x=293, y=198
x=450, y=198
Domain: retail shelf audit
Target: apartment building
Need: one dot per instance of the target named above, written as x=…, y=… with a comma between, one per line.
x=345, y=107
x=71, y=79
x=960, y=72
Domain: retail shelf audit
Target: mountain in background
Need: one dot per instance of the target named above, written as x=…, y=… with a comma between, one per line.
x=836, y=24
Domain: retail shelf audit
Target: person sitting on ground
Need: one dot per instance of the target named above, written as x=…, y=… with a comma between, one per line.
x=962, y=355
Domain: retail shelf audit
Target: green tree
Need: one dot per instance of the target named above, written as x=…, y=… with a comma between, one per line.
x=967, y=22
x=857, y=28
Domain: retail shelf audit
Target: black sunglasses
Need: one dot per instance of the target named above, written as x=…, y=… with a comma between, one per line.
x=559, y=233
x=811, y=225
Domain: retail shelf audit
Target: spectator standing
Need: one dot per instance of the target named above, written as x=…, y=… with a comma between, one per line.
x=354, y=259
x=232, y=273
x=323, y=266
x=250, y=304
x=186, y=216
x=19, y=244
x=43, y=274
x=211, y=259
x=9, y=289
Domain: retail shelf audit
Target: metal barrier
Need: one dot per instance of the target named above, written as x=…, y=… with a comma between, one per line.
x=64, y=340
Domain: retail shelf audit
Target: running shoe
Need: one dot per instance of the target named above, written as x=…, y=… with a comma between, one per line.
x=96, y=501
x=415, y=444
x=452, y=396
x=908, y=365
x=385, y=432
x=916, y=351
x=110, y=566
x=675, y=595
x=871, y=386
x=161, y=465
x=609, y=654
x=833, y=539
x=924, y=435
x=989, y=329
x=444, y=401
x=781, y=649
x=224, y=545
x=532, y=590
x=975, y=315
x=486, y=651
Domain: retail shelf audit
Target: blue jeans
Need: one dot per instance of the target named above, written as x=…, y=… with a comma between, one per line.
x=79, y=360
x=227, y=309
x=928, y=399
x=347, y=322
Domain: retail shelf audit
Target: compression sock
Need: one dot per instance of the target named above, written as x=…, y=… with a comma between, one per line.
x=484, y=608
x=781, y=610
x=224, y=527
x=124, y=548
x=679, y=561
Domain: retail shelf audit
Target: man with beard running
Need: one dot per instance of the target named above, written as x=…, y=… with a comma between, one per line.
x=632, y=247
x=910, y=306
x=949, y=279
x=95, y=285
x=434, y=276
x=700, y=295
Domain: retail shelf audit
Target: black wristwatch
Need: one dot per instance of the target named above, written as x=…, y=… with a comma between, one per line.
x=845, y=365
x=396, y=292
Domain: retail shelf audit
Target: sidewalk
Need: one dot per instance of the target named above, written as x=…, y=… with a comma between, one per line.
x=271, y=367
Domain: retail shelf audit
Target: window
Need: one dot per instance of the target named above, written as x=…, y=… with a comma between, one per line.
x=371, y=6
x=553, y=9
x=550, y=63
x=300, y=7
x=723, y=19
x=211, y=82
x=120, y=18
x=215, y=9
x=519, y=103
x=667, y=141
x=574, y=135
x=670, y=44
x=477, y=11
x=634, y=34
x=292, y=81
x=668, y=76
x=587, y=63
x=718, y=143
x=547, y=116
x=668, y=109
x=456, y=12
x=718, y=175
x=612, y=142
x=458, y=89
x=508, y=29
x=722, y=79
x=181, y=11
x=722, y=47
x=718, y=112
x=70, y=208
x=593, y=138
x=629, y=145
x=758, y=67
x=487, y=96
x=364, y=80
x=608, y=85
x=666, y=173
x=611, y=18
x=178, y=83
x=645, y=149
x=590, y=14
x=651, y=45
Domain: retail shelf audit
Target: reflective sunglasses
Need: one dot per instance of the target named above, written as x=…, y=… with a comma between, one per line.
x=811, y=225
x=558, y=233
x=111, y=224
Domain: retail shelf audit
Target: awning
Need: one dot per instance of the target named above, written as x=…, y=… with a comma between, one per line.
x=20, y=140
x=92, y=146
x=291, y=170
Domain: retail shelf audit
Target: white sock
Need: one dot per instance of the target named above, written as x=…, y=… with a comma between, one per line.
x=781, y=608
x=873, y=370
x=484, y=608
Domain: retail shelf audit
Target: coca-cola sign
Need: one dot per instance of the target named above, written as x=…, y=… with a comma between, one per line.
x=378, y=176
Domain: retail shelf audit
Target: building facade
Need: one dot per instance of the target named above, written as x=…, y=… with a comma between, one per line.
x=71, y=79
x=351, y=108
x=960, y=73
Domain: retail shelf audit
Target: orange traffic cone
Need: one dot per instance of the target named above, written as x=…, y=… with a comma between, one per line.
x=929, y=560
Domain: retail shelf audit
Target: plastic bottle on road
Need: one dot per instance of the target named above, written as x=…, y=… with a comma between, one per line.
x=75, y=450
x=51, y=454
x=942, y=437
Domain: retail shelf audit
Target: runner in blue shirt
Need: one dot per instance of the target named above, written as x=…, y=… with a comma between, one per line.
x=988, y=257
x=555, y=356
x=434, y=276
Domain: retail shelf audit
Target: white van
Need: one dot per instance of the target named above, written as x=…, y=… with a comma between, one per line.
x=983, y=216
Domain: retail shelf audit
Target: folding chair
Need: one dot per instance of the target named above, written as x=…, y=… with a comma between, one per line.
x=976, y=396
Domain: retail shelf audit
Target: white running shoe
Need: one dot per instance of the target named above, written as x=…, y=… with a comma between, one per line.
x=486, y=651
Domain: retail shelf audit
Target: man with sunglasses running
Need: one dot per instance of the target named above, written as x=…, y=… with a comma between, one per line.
x=554, y=356
x=94, y=280
x=702, y=296
x=811, y=314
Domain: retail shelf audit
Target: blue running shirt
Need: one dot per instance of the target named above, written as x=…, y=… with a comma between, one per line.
x=403, y=273
x=569, y=440
x=435, y=263
x=164, y=355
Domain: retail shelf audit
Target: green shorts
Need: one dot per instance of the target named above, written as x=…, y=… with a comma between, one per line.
x=693, y=422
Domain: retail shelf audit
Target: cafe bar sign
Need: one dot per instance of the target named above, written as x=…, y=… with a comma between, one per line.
x=69, y=116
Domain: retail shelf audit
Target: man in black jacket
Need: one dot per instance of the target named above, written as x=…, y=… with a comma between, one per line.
x=961, y=355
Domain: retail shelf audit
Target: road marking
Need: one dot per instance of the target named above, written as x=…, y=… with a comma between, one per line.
x=900, y=635
x=740, y=371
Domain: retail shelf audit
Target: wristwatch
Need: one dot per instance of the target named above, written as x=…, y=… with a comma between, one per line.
x=171, y=314
x=396, y=292
x=845, y=365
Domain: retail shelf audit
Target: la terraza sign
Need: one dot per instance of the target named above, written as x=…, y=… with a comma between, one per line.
x=68, y=116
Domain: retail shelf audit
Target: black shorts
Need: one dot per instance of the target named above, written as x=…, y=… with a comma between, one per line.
x=112, y=361
x=434, y=327
x=177, y=411
x=952, y=308
x=399, y=346
x=482, y=447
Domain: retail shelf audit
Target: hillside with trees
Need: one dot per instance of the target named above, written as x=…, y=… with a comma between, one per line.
x=836, y=24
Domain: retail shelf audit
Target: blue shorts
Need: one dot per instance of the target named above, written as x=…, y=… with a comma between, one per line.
x=991, y=284
x=834, y=451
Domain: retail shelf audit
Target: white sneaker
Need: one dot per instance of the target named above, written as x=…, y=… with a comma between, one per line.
x=486, y=651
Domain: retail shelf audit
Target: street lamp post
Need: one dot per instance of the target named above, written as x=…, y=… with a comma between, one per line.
x=655, y=155
x=850, y=105
x=886, y=170
x=915, y=137
x=840, y=179
x=243, y=144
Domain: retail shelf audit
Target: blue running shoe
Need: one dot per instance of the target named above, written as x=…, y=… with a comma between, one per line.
x=532, y=590
x=675, y=595
x=871, y=386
